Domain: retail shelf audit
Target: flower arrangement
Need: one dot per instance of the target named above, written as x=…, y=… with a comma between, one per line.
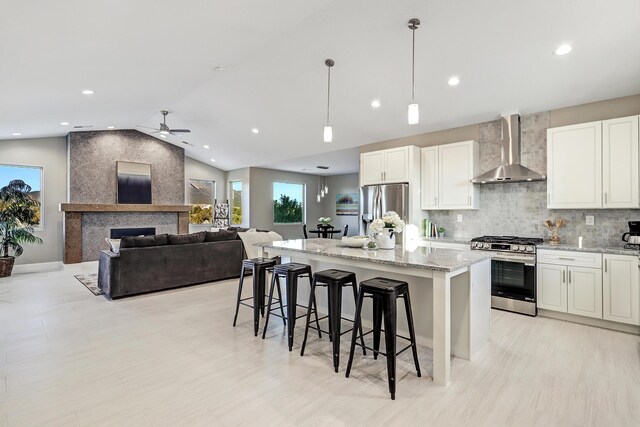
x=389, y=220
x=555, y=237
x=325, y=220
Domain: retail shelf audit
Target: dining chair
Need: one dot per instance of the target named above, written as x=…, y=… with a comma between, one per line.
x=346, y=230
x=304, y=231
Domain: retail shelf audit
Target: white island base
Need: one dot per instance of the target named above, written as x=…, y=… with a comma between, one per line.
x=451, y=301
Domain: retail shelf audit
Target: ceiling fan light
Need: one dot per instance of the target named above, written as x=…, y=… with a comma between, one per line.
x=164, y=132
x=328, y=134
x=413, y=114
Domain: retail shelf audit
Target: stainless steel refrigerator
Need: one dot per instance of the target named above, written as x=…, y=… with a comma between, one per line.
x=376, y=200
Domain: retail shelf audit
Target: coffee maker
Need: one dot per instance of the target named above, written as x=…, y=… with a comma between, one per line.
x=632, y=237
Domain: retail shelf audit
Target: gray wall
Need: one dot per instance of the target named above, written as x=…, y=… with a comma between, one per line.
x=51, y=155
x=261, y=182
x=341, y=184
x=92, y=165
x=243, y=175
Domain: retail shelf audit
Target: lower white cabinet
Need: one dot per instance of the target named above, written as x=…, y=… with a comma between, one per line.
x=552, y=287
x=621, y=285
x=584, y=291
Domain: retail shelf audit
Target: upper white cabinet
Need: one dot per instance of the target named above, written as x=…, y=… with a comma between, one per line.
x=621, y=289
x=593, y=165
x=446, y=174
x=620, y=163
x=387, y=166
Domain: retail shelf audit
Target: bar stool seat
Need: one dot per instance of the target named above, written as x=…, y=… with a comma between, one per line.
x=334, y=280
x=292, y=271
x=259, y=268
x=385, y=292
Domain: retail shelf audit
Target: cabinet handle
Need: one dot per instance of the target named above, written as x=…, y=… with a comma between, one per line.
x=381, y=176
x=566, y=259
x=564, y=277
x=435, y=201
x=569, y=276
x=605, y=198
x=549, y=198
x=605, y=265
x=469, y=200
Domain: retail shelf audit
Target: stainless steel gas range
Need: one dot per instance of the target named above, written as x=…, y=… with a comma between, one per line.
x=513, y=272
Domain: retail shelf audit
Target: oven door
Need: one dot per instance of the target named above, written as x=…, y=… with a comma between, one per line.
x=514, y=276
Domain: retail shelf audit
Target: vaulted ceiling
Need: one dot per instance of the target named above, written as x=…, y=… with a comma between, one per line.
x=143, y=56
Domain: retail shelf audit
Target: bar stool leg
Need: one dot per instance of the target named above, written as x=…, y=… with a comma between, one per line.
x=292, y=294
x=312, y=293
x=235, y=318
x=390, y=314
x=377, y=324
x=355, y=300
x=335, y=313
x=260, y=275
x=412, y=332
x=284, y=319
x=258, y=300
x=354, y=335
x=315, y=309
x=274, y=278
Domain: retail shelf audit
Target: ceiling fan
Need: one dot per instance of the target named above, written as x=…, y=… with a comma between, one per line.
x=164, y=129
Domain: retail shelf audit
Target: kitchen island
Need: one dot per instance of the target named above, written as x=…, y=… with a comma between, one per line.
x=451, y=289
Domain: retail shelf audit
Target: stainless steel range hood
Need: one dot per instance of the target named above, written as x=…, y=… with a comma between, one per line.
x=510, y=169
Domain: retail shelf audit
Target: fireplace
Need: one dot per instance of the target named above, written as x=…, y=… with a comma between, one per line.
x=117, y=233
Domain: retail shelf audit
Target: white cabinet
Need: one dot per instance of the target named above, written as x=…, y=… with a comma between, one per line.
x=593, y=165
x=387, y=166
x=574, y=166
x=446, y=172
x=584, y=288
x=570, y=282
x=552, y=287
x=620, y=163
x=621, y=283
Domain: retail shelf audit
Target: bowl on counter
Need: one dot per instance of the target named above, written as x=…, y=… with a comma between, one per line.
x=354, y=241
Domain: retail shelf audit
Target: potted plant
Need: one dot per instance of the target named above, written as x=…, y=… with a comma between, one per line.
x=325, y=220
x=386, y=228
x=18, y=212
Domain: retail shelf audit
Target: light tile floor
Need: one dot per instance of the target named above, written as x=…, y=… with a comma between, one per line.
x=172, y=358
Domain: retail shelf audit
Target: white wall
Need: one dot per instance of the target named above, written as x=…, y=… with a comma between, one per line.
x=51, y=155
x=243, y=175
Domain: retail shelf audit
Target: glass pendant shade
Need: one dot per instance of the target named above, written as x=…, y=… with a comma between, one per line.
x=328, y=134
x=322, y=193
x=318, y=199
x=413, y=114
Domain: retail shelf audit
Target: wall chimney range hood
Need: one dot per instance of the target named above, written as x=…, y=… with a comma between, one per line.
x=510, y=169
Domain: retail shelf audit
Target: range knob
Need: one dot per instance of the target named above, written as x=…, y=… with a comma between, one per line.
x=529, y=248
x=486, y=245
x=521, y=248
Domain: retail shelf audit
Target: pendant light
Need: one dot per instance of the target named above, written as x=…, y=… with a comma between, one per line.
x=413, y=113
x=326, y=185
x=328, y=131
x=318, y=196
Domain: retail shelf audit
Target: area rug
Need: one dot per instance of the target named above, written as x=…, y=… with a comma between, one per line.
x=90, y=281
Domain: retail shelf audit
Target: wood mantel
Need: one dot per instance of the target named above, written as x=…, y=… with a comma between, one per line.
x=97, y=207
x=73, y=222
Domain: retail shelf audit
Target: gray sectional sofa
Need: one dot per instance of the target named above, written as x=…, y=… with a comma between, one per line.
x=153, y=263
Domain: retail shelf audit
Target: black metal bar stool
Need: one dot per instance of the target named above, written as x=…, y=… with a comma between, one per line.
x=259, y=268
x=384, y=293
x=291, y=271
x=334, y=280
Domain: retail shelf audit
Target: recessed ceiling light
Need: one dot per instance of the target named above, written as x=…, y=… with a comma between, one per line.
x=64, y=123
x=454, y=81
x=375, y=103
x=563, y=49
x=206, y=146
x=111, y=127
x=213, y=160
x=16, y=134
x=163, y=136
x=87, y=92
x=255, y=130
x=218, y=68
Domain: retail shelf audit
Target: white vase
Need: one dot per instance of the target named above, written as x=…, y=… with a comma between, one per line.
x=386, y=239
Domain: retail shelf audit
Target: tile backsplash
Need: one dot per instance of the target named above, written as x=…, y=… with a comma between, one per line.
x=521, y=208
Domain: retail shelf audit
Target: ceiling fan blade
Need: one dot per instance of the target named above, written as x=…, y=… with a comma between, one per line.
x=181, y=130
x=146, y=127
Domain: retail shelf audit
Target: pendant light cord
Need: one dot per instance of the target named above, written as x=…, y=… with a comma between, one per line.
x=413, y=66
x=328, y=92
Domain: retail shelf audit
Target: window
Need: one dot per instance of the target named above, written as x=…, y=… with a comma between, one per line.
x=32, y=176
x=288, y=203
x=236, y=202
x=202, y=194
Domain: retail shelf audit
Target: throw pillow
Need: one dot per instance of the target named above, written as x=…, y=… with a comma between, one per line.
x=185, y=239
x=143, y=241
x=114, y=245
x=217, y=236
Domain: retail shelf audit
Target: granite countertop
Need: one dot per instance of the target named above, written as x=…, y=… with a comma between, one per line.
x=460, y=240
x=425, y=258
x=616, y=250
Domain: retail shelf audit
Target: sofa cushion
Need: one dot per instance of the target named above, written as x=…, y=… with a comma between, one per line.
x=217, y=236
x=114, y=245
x=143, y=241
x=185, y=239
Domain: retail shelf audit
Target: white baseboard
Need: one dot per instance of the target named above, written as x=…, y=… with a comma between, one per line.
x=39, y=267
x=598, y=323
